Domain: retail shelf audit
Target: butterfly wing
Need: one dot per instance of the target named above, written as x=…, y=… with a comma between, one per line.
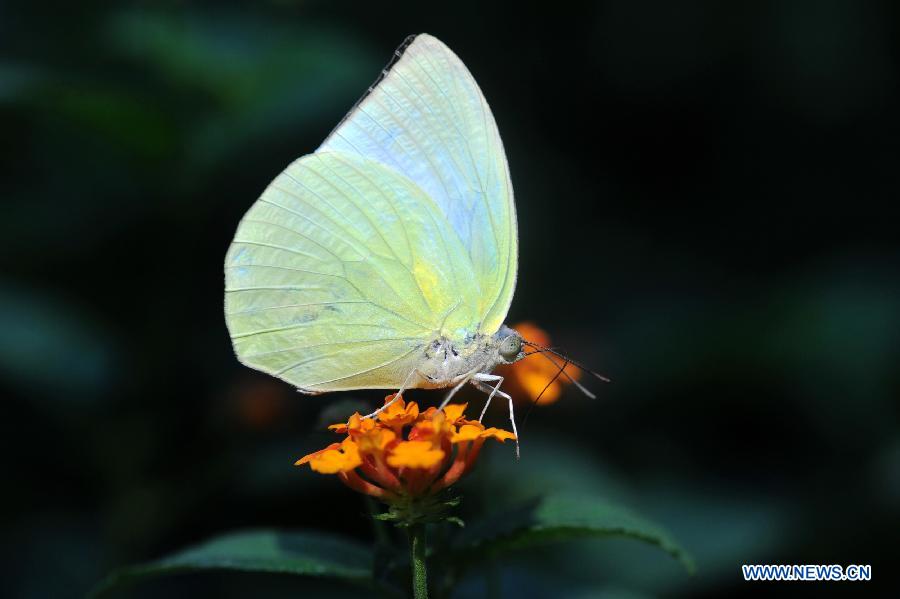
x=427, y=119
x=340, y=274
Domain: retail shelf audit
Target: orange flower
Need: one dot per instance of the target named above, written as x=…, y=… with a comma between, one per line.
x=375, y=458
x=527, y=378
x=337, y=457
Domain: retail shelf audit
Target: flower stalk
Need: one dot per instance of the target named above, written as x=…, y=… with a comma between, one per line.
x=417, y=552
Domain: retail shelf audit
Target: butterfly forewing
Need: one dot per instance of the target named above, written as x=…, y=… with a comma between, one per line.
x=427, y=119
x=400, y=229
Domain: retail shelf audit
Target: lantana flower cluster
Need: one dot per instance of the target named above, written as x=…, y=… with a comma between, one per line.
x=404, y=453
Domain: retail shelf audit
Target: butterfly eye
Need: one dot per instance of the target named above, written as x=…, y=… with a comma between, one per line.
x=510, y=348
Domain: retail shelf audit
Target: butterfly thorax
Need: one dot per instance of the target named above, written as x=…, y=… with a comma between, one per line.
x=447, y=362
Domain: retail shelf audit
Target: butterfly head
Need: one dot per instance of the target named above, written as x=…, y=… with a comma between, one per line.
x=509, y=347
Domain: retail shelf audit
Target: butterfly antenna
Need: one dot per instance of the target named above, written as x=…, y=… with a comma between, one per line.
x=568, y=360
x=580, y=387
x=541, y=394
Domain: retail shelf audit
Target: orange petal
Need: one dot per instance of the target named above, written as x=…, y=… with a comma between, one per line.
x=415, y=454
x=375, y=441
x=399, y=413
x=332, y=461
x=389, y=398
x=468, y=432
x=310, y=456
x=343, y=427
x=423, y=431
x=357, y=425
x=497, y=433
x=533, y=383
x=427, y=415
x=526, y=379
x=454, y=411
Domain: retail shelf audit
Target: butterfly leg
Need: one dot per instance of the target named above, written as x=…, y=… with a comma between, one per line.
x=452, y=393
x=480, y=381
x=397, y=396
x=463, y=379
x=491, y=391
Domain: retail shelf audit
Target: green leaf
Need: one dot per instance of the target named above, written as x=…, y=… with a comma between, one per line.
x=556, y=518
x=300, y=553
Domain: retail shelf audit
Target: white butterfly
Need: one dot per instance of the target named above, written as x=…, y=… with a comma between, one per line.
x=387, y=258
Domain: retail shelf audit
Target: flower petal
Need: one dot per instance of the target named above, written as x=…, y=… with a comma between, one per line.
x=498, y=434
x=397, y=405
x=454, y=411
x=305, y=459
x=467, y=432
x=375, y=441
x=399, y=413
x=423, y=431
x=427, y=415
x=334, y=458
x=357, y=425
x=342, y=427
x=415, y=454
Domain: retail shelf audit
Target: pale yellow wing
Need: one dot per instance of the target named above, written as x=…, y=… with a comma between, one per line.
x=341, y=273
x=427, y=119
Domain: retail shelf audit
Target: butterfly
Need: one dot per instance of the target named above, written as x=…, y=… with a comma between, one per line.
x=387, y=258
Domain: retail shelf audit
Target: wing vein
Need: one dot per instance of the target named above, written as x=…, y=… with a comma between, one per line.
x=300, y=325
x=290, y=268
x=483, y=189
x=275, y=246
x=414, y=140
x=352, y=202
x=294, y=231
x=301, y=305
x=303, y=216
x=386, y=197
x=377, y=271
x=373, y=368
x=317, y=345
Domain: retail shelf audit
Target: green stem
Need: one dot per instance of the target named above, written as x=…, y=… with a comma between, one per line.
x=417, y=559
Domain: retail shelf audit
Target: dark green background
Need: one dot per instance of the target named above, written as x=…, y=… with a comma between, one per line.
x=707, y=208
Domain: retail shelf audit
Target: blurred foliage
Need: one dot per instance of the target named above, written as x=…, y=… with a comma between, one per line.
x=706, y=196
x=315, y=555
x=552, y=518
